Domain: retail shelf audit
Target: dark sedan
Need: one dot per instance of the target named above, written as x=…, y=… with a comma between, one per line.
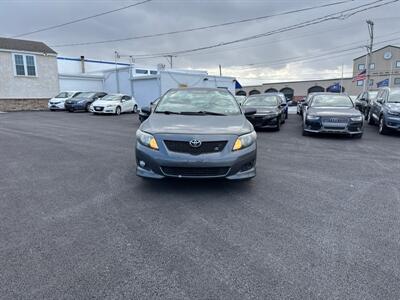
x=364, y=101
x=83, y=101
x=332, y=113
x=271, y=110
x=196, y=133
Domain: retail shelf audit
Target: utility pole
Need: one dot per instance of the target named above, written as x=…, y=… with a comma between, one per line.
x=369, y=49
x=116, y=70
x=169, y=59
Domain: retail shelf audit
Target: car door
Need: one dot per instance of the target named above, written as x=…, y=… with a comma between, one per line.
x=376, y=106
x=127, y=104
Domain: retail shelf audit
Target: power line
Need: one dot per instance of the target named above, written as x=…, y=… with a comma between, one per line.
x=337, y=15
x=80, y=19
x=202, y=27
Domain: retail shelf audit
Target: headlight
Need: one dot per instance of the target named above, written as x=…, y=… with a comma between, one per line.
x=312, y=118
x=392, y=112
x=272, y=114
x=356, y=119
x=81, y=102
x=245, y=141
x=146, y=139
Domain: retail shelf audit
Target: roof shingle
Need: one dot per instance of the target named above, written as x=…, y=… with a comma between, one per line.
x=25, y=45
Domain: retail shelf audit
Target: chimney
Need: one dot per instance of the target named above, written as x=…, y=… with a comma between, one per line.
x=82, y=64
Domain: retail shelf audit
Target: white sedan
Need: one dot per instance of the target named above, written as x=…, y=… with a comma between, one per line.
x=114, y=104
x=58, y=102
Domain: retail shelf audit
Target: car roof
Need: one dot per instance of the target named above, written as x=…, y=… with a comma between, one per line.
x=198, y=89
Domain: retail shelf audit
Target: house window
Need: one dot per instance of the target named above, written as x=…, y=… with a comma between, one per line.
x=397, y=81
x=25, y=65
x=361, y=67
x=360, y=82
x=371, y=82
x=398, y=64
x=372, y=66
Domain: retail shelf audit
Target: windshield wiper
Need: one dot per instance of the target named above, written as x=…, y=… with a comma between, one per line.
x=202, y=112
x=167, y=112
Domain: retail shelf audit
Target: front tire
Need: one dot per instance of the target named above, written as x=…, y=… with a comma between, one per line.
x=118, y=111
x=87, y=108
x=278, y=124
x=358, y=136
x=383, y=129
x=370, y=119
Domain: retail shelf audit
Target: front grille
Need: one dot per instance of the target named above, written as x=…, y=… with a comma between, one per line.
x=195, y=172
x=334, y=120
x=185, y=147
x=98, y=108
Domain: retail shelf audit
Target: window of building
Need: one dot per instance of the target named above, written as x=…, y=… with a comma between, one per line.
x=140, y=71
x=372, y=66
x=398, y=64
x=397, y=81
x=360, y=82
x=25, y=65
x=153, y=72
x=361, y=67
x=371, y=82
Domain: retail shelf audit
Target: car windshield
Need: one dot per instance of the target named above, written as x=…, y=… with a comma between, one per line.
x=86, y=95
x=331, y=101
x=394, y=96
x=111, y=98
x=64, y=95
x=215, y=102
x=264, y=100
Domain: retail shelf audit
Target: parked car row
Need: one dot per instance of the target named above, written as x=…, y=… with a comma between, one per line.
x=94, y=102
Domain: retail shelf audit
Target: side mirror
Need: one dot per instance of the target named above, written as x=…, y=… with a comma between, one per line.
x=146, y=110
x=358, y=105
x=282, y=104
x=249, y=111
x=379, y=100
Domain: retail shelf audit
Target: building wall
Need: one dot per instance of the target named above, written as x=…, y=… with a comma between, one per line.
x=301, y=88
x=383, y=67
x=80, y=83
x=146, y=90
x=44, y=85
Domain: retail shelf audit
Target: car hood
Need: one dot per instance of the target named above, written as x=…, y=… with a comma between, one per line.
x=58, y=99
x=77, y=99
x=393, y=106
x=333, y=111
x=105, y=103
x=184, y=124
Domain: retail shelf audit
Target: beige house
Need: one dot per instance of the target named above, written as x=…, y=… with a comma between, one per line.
x=28, y=74
x=384, y=64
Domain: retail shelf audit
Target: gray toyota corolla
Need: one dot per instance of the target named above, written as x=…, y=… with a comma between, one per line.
x=197, y=133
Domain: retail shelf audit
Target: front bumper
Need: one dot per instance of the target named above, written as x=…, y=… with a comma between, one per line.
x=233, y=165
x=105, y=110
x=393, y=122
x=263, y=121
x=75, y=106
x=56, y=106
x=351, y=128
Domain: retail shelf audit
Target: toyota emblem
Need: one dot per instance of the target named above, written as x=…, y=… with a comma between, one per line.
x=195, y=143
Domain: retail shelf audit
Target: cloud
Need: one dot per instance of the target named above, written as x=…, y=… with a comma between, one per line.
x=161, y=16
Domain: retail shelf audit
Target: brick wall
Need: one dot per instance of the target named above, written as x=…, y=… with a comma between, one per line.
x=23, y=104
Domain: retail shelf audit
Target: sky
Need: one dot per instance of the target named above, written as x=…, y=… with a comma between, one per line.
x=314, y=52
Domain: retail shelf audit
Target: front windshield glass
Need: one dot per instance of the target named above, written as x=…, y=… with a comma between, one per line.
x=263, y=100
x=86, y=95
x=64, y=95
x=394, y=96
x=331, y=101
x=200, y=101
x=111, y=98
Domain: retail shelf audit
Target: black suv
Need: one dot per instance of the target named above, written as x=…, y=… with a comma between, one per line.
x=385, y=110
x=364, y=100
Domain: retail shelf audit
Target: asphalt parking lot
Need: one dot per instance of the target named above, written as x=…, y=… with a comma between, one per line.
x=320, y=220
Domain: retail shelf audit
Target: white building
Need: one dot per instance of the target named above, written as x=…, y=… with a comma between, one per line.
x=28, y=72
